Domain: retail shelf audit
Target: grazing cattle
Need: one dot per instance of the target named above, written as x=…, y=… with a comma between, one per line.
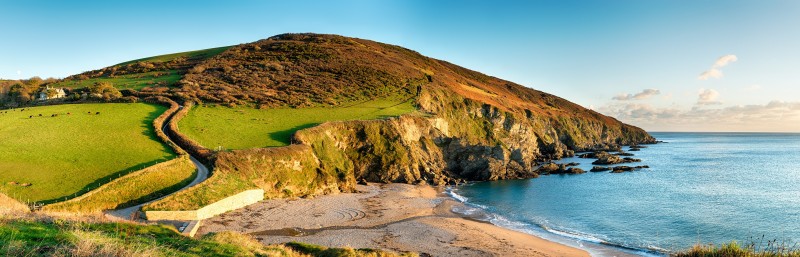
x=88, y=112
x=40, y=115
x=30, y=117
x=98, y=113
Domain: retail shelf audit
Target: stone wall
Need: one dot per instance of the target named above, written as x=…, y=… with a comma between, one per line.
x=234, y=202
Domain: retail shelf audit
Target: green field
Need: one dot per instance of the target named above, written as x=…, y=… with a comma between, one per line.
x=72, y=153
x=129, y=81
x=198, y=55
x=137, y=81
x=243, y=127
x=132, y=189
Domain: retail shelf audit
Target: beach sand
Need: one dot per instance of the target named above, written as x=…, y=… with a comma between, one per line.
x=399, y=217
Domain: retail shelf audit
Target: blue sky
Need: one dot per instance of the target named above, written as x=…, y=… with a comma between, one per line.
x=648, y=55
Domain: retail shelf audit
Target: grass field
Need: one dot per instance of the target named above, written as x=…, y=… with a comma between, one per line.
x=130, y=81
x=242, y=127
x=132, y=189
x=138, y=81
x=72, y=153
x=199, y=54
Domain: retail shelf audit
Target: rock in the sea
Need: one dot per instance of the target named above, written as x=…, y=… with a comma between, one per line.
x=575, y=170
x=620, y=169
x=549, y=168
x=599, y=169
x=605, y=158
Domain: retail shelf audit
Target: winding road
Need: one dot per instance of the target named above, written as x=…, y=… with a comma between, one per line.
x=202, y=175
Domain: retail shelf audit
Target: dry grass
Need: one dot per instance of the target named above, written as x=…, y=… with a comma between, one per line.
x=38, y=235
x=770, y=248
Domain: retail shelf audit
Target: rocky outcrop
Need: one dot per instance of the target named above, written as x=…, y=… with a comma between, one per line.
x=604, y=158
x=465, y=141
x=621, y=169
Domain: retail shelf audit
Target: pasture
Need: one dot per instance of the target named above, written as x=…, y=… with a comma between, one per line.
x=135, y=81
x=157, y=76
x=244, y=127
x=71, y=149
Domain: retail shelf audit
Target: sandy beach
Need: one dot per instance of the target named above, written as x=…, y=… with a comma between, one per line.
x=397, y=217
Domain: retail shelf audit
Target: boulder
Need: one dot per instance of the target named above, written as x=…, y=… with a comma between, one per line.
x=549, y=168
x=620, y=169
x=599, y=169
x=575, y=170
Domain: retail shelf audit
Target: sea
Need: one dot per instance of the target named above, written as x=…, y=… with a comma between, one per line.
x=701, y=188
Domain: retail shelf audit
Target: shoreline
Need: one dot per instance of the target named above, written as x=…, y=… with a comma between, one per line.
x=397, y=217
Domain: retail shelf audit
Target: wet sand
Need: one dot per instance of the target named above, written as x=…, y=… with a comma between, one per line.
x=399, y=217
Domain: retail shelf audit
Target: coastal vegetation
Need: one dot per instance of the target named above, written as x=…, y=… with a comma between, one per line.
x=53, y=153
x=245, y=127
x=46, y=236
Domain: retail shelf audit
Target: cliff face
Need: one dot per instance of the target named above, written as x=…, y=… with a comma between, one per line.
x=460, y=139
x=471, y=127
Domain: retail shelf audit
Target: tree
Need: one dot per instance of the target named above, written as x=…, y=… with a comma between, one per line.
x=104, y=90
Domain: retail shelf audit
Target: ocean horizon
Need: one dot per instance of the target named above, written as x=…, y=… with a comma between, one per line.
x=701, y=188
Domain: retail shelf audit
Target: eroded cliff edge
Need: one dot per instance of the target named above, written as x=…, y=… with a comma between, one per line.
x=460, y=139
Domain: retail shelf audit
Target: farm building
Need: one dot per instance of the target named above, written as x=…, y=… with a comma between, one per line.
x=51, y=93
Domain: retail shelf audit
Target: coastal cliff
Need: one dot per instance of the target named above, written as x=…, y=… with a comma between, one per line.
x=460, y=139
x=468, y=127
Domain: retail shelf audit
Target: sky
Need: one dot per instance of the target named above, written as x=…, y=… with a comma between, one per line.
x=662, y=65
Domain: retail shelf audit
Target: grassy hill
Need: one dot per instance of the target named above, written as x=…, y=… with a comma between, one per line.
x=71, y=149
x=157, y=71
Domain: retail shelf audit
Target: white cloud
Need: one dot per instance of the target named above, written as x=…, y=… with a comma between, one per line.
x=645, y=94
x=708, y=97
x=714, y=71
x=754, y=87
x=773, y=116
x=19, y=72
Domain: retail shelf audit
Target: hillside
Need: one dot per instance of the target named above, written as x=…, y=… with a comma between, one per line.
x=153, y=72
x=466, y=126
x=303, y=70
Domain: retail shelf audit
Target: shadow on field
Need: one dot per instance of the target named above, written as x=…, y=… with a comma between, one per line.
x=285, y=136
x=149, y=130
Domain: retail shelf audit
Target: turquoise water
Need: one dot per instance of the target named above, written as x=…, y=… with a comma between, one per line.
x=701, y=188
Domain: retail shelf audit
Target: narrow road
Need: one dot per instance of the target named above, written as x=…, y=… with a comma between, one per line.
x=202, y=175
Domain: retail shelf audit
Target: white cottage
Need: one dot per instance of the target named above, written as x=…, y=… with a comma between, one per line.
x=51, y=93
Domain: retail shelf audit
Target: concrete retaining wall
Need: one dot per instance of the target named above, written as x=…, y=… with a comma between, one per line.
x=234, y=202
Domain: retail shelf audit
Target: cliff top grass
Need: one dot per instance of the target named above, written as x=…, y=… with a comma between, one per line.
x=72, y=149
x=47, y=237
x=245, y=127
